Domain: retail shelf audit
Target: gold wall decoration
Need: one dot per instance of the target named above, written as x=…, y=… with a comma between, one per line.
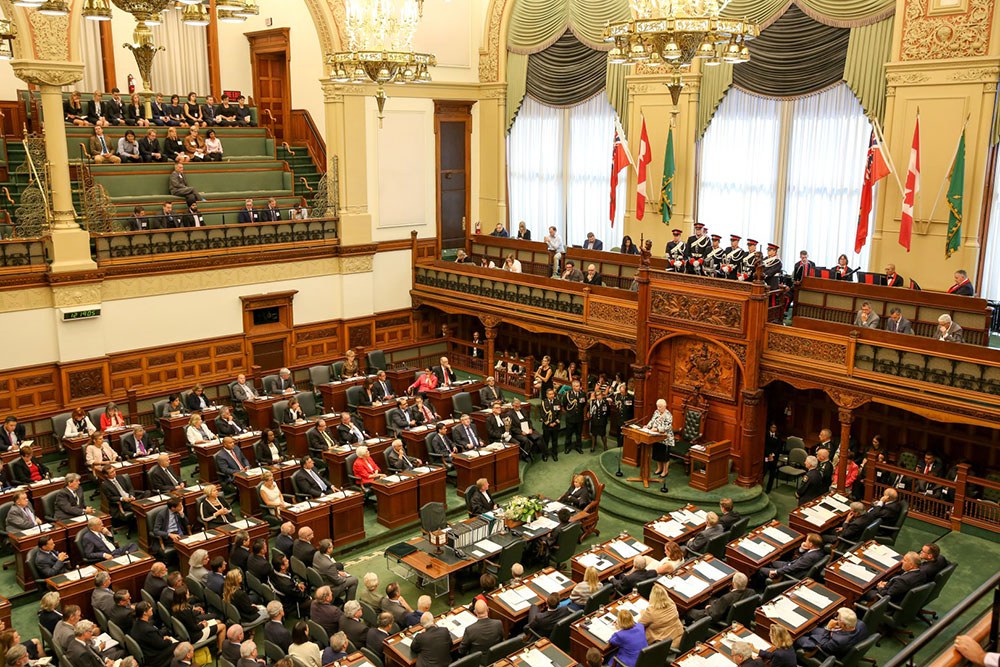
x=931, y=35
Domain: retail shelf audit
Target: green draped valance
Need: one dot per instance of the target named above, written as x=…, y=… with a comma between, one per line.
x=835, y=13
x=567, y=73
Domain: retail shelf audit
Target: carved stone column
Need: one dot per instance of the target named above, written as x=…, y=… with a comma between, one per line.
x=69, y=246
x=751, y=446
x=846, y=416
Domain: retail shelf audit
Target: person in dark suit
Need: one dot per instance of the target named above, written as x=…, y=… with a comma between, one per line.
x=80, y=650
x=810, y=552
x=490, y=393
x=69, y=500
x=432, y=646
x=729, y=515
x=140, y=222
x=351, y=623
x=216, y=579
x=441, y=445
x=897, y=586
x=932, y=467
x=578, y=494
x=119, y=492
x=156, y=580
x=285, y=539
x=624, y=583
x=25, y=469
x=888, y=508
x=482, y=634
x=171, y=525
x=293, y=413
x=271, y=213
x=367, y=395
x=323, y=612
x=161, y=478
x=839, y=636
x=166, y=219
x=248, y=214
x=275, y=630
x=931, y=561
x=522, y=430
x=225, y=424
x=592, y=277
x=149, y=147
x=302, y=547
x=319, y=439
x=774, y=445
x=444, y=372
x=310, y=482
x=122, y=614
x=811, y=487
x=542, y=617
x=156, y=649
x=496, y=428
x=258, y=563
x=464, y=434
x=592, y=242
x=718, y=608
x=713, y=528
x=12, y=434
x=137, y=444
x=48, y=561
x=375, y=639
x=267, y=449
x=962, y=286
x=824, y=466
x=289, y=589
x=382, y=388
x=193, y=217
x=97, y=543
x=854, y=525
x=230, y=460
x=896, y=323
x=399, y=418
x=480, y=501
x=349, y=432
x=397, y=458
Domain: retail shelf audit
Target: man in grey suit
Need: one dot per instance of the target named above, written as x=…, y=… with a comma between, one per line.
x=102, y=598
x=244, y=391
x=21, y=516
x=400, y=418
x=897, y=323
x=482, y=634
x=79, y=650
x=179, y=187
x=69, y=500
x=432, y=646
x=333, y=572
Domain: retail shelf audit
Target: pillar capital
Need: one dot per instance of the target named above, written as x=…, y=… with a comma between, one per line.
x=47, y=72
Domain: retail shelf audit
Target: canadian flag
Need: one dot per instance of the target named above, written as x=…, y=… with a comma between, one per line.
x=911, y=189
x=645, y=157
x=619, y=165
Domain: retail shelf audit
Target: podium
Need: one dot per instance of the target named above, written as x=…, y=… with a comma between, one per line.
x=643, y=442
x=709, y=465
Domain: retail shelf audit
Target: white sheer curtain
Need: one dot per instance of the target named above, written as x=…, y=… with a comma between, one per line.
x=183, y=67
x=93, y=59
x=991, y=267
x=739, y=168
x=559, y=171
x=828, y=147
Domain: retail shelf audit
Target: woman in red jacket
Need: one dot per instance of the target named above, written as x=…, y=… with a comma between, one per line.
x=365, y=469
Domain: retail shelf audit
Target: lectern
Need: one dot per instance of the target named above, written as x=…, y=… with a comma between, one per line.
x=709, y=465
x=643, y=440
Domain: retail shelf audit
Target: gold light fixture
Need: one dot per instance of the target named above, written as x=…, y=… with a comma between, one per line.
x=248, y=10
x=54, y=8
x=380, y=47
x=673, y=33
x=195, y=15
x=97, y=10
x=229, y=16
x=28, y=4
x=8, y=33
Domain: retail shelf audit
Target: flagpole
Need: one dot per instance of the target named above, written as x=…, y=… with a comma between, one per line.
x=947, y=176
x=887, y=153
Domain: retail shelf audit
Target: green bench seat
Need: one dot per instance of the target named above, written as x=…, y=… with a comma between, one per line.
x=164, y=168
x=141, y=188
x=234, y=145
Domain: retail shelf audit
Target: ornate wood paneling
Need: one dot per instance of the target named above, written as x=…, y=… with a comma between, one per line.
x=393, y=330
x=360, y=335
x=159, y=371
x=315, y=342
x=30, y=390
x=711, y=313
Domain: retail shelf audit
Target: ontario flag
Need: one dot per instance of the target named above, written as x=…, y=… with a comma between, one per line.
x=645, y=157
x=619, y=165
x=875, y=170
x=911, y=189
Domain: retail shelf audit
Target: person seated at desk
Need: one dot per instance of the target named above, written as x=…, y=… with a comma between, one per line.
x=425, y=382
x=197, y=432
x=270, y=494
x=499, y=231
x=69, y=500
x=962, y=285
x=293, y=413
x=464, y=434
x=348, y=431
x=199, y=629
x=718, y=608
x=48, y=561
x=97, y=543
x=333, y=573
x=212, y=509
x=809, y=553
x=171, y=525
x=267, y=449
x=592, y=277
x=382, y=388
x=855, y=522
x=897, y=586
x=578, y=494
x=243, y=390
x=257, y=563
x=78, y=425
x=783, y=654
x=483, y=634
x=196, y=400
x=495, y=426
x=351, y=367
x=368, y=398
x=225, y=424
x=399, y=418
x=11, y=434
x=441, y=445
x=812, y=486
x=162, y=478
x=842, y=271
x=866, y=318
x=699, y=542
x=283, y=385
x=840, y=635
x=365, y=469
x=398, y=460
x=111, y=417
x=25, y=469
x=592, y=242
x=99, y=453
x=480, y=501
x=897, y=323
x=445, y=373
x=230, y=460
x=624, y=583
x=21, y=516
x=892, y=279
x=660, y=618
x=629, y=640
x=310, y=482
x=542, y=617
x=729, y=516
x=949, y=331
x=931, y=561
x=491, y=393
x=319, y=439
x=422, y=411
x=118, y=491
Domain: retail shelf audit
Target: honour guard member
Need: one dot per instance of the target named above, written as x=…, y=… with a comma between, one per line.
x=732, y=259
x=676, y=252
x=699, y=246
x=749, y=266
x=772, y=267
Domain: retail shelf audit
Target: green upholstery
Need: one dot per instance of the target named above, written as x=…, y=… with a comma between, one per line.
x=907, y=460
x=237, y=142
x=213, y=210
x=992, y=495
x=140, y=187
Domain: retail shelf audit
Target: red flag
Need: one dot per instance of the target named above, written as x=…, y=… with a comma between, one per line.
x=911, y=190
x=875, y=169
x=645, y=157
x=619, y=163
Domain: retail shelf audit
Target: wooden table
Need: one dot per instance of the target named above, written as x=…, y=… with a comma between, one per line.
x=820, y=515
x=499, y=464
x=75, y=587
x=747, y=561
x=39, y=490
x=347, y=515
x=373, y=416
x=5, y=612
x=397, y=500
x=543, y=646
x=73, y=528
x=255, y=528
x=400, y=379
x=206, y=452
x=246, y=482
x=859, y=571
x=24, y=541
x=335, y=393
x=441, y=397
x=143, y=507
x=174, y=438
x=212, y=541
x=296, y=441
x=260, y=411
x=510, y=604
x=693, y=584
x=74, y=449
x=336, y=459
x=721, y=644
x=812, y=613
x=581, y=637
x=314, y=513
x=609, y=558
x=643, y=443
x=678, y=526
x=128, y=572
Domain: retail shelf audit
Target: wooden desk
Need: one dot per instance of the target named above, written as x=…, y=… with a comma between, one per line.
x=212, y=541
x=820, y=515
x=397, y=647
x=415, y=439
x=643, y=443
x=373, y=416
x=556, y=657
x=721, y=644
x=709, y=465
x=296, y=441
x=397, y=500
x=581, y=637
x=39, y=490
x=812, y=613
x=400, y=379
x=506, y=469
x=142, y=508
x=75, y=526
x=767, y=536
x=128, y=572
x=497, y=463
x=335, y=393
x=471, y=466
x=432, y=484
x=174, y=439
x=347, y=515
x=678, y=526
x=314, y=513
x=5, y=612
x=336, y=459
x=137, y=468
x=510, y=604
x=696, y=582
x=610, y=558
x=74, y=449
x=206, y=455
x=859, y=571
x=356, y=659
x=75, y=587
x=24, y=541
x=259, y=412
x=255, y=528
x=441, y=397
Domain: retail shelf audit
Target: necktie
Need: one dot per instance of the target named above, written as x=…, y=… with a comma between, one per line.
x=472, y=436
x=171, y=476
x=320, y=483
x=236, y=458
x=31, y=515
x=121, y=491
x=104, y=539
x=385, y=390
x=357, y=433
x=104, y=146
x=326, y=438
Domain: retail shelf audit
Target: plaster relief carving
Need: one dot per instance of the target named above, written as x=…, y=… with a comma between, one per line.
x=51, y=36
x=356, y=264
x=76, y=295
x=946, y=36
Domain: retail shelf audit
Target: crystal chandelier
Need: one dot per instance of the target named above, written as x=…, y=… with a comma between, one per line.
x=380, y=46
x=672, y=33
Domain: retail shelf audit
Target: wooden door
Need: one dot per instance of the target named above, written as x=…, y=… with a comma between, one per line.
x=453, y=133
x=269, y=56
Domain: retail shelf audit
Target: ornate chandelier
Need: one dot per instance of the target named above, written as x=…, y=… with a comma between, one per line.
x=8, y=33
x=380, y=46
x=672, y=33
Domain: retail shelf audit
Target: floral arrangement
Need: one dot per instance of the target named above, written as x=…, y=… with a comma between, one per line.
x=523, y=508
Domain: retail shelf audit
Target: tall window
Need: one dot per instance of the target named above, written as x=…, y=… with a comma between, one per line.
x=991, y=264
x=787, y=170
x=559, y=171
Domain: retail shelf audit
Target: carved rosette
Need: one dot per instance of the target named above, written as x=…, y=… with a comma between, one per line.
x=942, y=36
x=490, y=321
x=703, y=366
x=703, y=311
x=86, y=383
x=807, y=348
x=583, y=342
x=848, y=400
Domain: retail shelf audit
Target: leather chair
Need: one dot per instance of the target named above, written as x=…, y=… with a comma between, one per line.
x=49, y=506
x=376, y=361
x=269, y=383
x=589, y=515
x=354, y=395
x=278, y=412
x=469, y=490
x=319, y=375
x=694, y=413
x=461, y=404
x=307, y=401
x=59, y=426
x=336, y=370
x=30, y=559
x=95, y=416
x=889, y=532
x=160, y=408
x=4, y=540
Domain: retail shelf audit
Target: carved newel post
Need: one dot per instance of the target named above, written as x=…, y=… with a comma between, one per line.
x=750, y=467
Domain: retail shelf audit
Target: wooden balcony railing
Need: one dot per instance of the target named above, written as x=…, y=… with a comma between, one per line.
x=119, y=248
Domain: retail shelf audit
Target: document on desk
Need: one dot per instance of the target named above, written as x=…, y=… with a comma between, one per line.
x=542, y=523
x=690, y=587
x=624, y=550
x=783, y=609
x=708, y=570
x=814, y=598
x=758, y=643
x=777, y=535
x=882, y=554
x=552, y=582
x=762, y=549
x=536, y=658
x=458, y=623
x=718, y=660
x=670, y=529
x=602, y=629
x=514, y=599
x=857, y=571
x=489, y=546
x=422, y=470
x=834, y=504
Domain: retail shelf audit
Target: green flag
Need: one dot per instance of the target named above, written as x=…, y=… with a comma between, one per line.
x=955, y=189
x=667, y=187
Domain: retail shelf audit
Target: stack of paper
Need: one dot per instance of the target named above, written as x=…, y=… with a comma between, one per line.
x=536, y=658
x=758, y=643
x=814, y=598
x=553, y=506
x=517, y=598
x=690, y=586
x=761, y=549
x=542, y=523
x=670, y=529
x=708, y=571
x=857, y=571
x=783, y=609
x=421, y=470
x=488, y=546
x=835, y=504
x=622, y=549
x=602, y=629
x=551, y=583
x=882, y=554
x=391, y=479
x=457, y=623
x=593, y=560
x=106, y=639
x=777, y=535
x=667, y=582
